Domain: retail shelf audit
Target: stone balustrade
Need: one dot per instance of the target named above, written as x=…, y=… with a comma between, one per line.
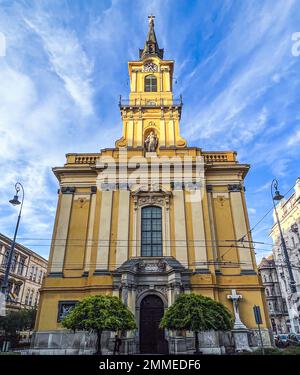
x=209, y=157
x=219, y=157
x=82, y=158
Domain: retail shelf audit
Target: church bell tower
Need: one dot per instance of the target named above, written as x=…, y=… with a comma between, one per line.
x=151, y=108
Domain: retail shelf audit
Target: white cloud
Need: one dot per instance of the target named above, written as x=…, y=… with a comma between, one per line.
x=294, y=139
x=68, y=60
x=260, y=56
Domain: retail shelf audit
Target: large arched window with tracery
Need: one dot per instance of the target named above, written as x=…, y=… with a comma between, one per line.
x=151, y=231
x=150, y=83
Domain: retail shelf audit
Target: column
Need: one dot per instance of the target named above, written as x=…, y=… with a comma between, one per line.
x=167, y=230
x=104, y=230
x=130, y=133
x=139, y=141
x=123, y=228
x=198, y=230
x=171, y=133
x=212, y=224
x=240, y=227
x=180, y=227
x=60, y=239
x=90, y=242
x=162, y=136
x=133, y=82
x=167, y=80
x=135, y=227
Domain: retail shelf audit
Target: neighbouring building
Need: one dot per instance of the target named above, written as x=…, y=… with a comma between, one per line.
x=26, y=274
x=147, y=220
x=276, y=303
x=289, y=217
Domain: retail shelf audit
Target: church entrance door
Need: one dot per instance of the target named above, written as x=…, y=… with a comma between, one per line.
x=152, y=338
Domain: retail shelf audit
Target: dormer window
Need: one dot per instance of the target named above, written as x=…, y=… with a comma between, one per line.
x=150, y=83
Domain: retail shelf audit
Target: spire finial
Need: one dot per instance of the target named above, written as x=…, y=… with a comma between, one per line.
x=151, y=46
x=151, y=20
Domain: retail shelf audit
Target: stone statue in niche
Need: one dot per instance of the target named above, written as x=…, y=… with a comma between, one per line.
x=151, y=142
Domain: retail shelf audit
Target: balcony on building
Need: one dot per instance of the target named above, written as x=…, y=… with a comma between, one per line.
x=150, y=103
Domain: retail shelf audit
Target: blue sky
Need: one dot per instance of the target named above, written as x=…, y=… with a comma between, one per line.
x=66, y=65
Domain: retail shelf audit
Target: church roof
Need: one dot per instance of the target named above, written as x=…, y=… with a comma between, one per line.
x=151, y=47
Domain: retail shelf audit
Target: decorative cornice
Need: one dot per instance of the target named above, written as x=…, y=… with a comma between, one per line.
x=235, y=188
x=101, y=272
x=55, y=274
x=68, y=190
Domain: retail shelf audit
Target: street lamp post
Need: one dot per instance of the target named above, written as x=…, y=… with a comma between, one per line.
x=15, y=202
x=277, y=197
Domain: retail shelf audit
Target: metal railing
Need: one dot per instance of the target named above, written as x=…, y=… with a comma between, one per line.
x=152, y=103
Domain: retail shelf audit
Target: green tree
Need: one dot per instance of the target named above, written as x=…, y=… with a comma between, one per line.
x=98, y=314
x=197, y=313
x=16, y=321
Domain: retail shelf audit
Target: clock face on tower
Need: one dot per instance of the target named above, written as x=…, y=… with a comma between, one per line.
x=150, y=67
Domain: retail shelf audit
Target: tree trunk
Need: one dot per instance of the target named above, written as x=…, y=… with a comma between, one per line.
x=197, y=343
x=99, y=351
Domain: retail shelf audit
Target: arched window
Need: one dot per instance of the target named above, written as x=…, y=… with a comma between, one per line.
x=150, y=83
x=151, y=231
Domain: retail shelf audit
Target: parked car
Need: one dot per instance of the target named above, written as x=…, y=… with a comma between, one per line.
x=281, y=340
x=293, y=339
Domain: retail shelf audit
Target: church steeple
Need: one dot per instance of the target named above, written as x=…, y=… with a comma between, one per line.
x=151, y=110
x=151, y=47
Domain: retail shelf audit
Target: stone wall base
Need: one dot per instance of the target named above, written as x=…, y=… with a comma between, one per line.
x=210, y=342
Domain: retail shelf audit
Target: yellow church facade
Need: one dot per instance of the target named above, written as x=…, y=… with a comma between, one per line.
x=149, y=219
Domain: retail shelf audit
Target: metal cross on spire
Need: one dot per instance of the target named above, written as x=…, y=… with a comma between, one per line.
x=151, y=19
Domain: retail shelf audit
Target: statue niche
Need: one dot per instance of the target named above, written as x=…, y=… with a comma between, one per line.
x=151, y=142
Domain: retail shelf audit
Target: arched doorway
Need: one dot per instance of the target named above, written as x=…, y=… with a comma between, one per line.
x=152, y=338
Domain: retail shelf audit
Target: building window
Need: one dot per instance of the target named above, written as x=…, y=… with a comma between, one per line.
x=150, y=83
x=17, y=290
x=31, y=297
x=21, y=266
x=151, y=231
x=31, y=272
x=270, y=306
x=14, y=263
x=64, y=307
x=10, y=287
x=36, y=298
x=34, y=274
x=40, y=276
x=27, y=296
x=5, y=258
